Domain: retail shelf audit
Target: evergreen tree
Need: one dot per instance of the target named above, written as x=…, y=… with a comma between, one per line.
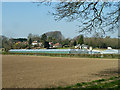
x=46, y=44
x=75, y=43
x=30, y=43
x=44, y=38
x=81, y=40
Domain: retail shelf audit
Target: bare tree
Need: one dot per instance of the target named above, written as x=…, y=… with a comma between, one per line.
x=93, y=16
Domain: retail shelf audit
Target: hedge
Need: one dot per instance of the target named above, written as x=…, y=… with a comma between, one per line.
x=68, y=55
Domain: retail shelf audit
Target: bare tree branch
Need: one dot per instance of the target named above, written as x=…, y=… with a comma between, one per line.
x=91, y=15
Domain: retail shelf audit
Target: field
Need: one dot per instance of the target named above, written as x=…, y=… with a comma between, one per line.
x=20, y=71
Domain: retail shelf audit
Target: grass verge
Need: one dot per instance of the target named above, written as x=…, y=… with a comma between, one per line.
x=113, y=82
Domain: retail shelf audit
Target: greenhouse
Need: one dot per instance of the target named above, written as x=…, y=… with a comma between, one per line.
x=112, y=51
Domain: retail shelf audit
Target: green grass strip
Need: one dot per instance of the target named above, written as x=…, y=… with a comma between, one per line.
x=101, y=83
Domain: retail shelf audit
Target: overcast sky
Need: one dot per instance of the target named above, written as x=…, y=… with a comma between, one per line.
x=21, y=18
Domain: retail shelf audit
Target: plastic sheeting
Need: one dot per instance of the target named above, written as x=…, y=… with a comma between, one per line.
x=48, y=51
x=112, y=51
x=64, y=51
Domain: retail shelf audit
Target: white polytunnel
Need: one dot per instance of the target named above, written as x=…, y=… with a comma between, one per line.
x=64, y=51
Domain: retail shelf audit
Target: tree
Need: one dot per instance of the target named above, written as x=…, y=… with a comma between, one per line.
x=44, y=37
x=93, y=16
x=66, y=42
x=74, y=43
x=54, y=40
x=30, y=42
x=50, y=39
x=91, y=43
x=81, y=40
x=36, y=38
x=5, y=43
x=30, y=35
x=104, y=45
x=46, y=44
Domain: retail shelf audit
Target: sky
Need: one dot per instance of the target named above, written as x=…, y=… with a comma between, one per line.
x=21, y=18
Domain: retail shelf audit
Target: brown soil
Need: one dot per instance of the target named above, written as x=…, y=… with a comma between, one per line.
x=20, y=71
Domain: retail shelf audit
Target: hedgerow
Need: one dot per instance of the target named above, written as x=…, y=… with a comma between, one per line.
x=68, y=55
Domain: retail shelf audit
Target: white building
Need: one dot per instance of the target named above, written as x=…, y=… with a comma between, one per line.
x=34, y=43
x=40, y=44
x=109, y=48
x=77, y=46
x=84, y=46
x=81, y=46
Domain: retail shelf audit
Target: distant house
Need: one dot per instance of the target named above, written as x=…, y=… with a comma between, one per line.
x=77, y=46
x=57, y=45
x=90, y=48
x=18, y=42
x=34, y=43
x=40, y=44
x=109, y=48
x=51, y=44
x=84, y=46
x=25, y=42
x=81, y=46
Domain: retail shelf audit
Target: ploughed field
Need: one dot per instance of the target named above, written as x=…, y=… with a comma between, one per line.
x=20, y=71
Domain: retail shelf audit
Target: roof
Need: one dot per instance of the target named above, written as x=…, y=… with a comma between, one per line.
x=50, y=42
x=84, y=45
x=34, y=42
x=57, y=44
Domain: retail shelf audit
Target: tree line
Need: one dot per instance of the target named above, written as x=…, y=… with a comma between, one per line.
x=95, y=42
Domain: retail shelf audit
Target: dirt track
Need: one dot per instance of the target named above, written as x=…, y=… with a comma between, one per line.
x=40, y=72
